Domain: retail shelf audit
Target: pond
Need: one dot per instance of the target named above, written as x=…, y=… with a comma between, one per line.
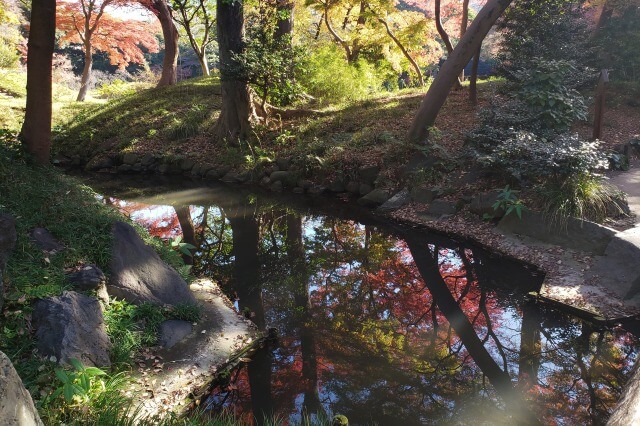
x=381, y=322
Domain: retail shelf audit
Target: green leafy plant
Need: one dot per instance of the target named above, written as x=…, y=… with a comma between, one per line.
x=509, y=202
x=178, y=245
x=80, y=384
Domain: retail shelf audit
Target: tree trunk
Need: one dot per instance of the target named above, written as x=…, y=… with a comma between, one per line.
x=464, y=23
x=36, y=129
x=85, y=81
x=443, y=35
x=237, y=110
x=473, y=82
x=204, y=64
x=284, y=26
x=448, y=75
x=404, y=51
x=170, y=34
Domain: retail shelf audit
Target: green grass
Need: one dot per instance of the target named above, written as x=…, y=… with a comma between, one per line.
x=13, y=92
x=166, y=115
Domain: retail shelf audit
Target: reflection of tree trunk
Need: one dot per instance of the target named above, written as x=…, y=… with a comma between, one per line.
x=246, y=276
x=188, y=230
x=297, y=263
x=427, y=264
x=530, y=346
x=245, y=251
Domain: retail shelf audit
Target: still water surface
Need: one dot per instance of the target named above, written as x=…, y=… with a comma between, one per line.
x=382, y=323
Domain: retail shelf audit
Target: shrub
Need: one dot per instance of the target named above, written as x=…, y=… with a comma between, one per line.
x=526, y=157
x=325, y=74
x=582, y=195
x=544, y=90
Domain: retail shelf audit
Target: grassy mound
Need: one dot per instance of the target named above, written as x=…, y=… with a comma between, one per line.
x=154, y=119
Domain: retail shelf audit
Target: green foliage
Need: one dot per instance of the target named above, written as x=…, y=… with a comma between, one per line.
x=543, y=89
x=183, y=248
x=582, y=195
x=526, y=157
x=269, y=62
x=618, y=40
x=132, y=327
x=548, y=29
x=326, y=75
x=509, y=202
x=79, y=385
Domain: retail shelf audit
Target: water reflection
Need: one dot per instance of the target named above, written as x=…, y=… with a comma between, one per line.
x=402, y=328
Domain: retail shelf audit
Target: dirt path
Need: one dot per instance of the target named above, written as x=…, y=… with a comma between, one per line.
x=629, y=182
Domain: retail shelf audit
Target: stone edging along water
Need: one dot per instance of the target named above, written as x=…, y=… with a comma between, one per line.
x=589, y=269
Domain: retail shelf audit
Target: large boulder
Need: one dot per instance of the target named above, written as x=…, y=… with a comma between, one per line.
x=400, y=199
x=138, y=275
x=16, y=405
x=374, y=198
x=71, y=326
x=482, y=205
x=7, y=244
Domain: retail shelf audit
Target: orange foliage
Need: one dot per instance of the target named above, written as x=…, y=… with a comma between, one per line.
x=122, y=40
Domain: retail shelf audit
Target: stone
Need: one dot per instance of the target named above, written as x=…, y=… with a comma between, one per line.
x=336, y=185
x=130, y=158
x=16, y=405
x=137, y=167
x=482, y=205
x=353, y=187
x=277, y=186
x=163, y=168
x=280, y=176
x=187, y=164
x=171, y=332
x=316, y=190
x=425, y=195
x=365, y=189
x=400, y=199
x=283, y=163
x=265, y=181
x=138, y=274
x=270, y=169
x=8, y=237
x=298, y=190
x=43, y=239
x=61, y=160
x=368, y=174
x=417, y=163
x=581, y=235
x=99, y=164
x=88, y=278
x=71, y=326
x=619, y=269
x=305, y=184
x=231, y=177
x=125, y=168
x=148, y=159
x=443, y=207
x=374, y=198
x=213, y=174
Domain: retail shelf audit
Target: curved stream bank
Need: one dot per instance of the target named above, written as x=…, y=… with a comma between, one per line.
x=379, y=322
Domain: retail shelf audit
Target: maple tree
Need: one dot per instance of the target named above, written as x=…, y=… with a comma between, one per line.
x=86, y=22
